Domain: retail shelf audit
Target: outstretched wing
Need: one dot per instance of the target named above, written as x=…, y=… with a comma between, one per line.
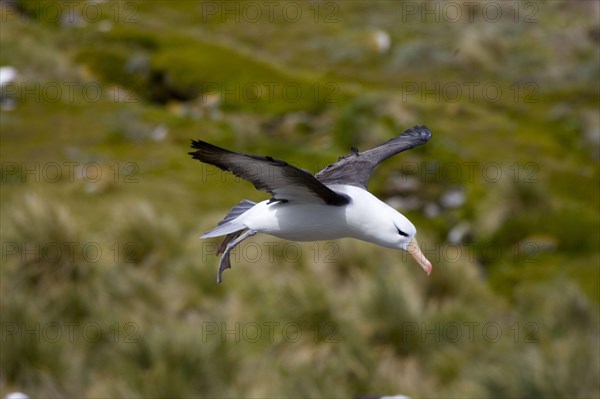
x=282, y=180
x=355, y=169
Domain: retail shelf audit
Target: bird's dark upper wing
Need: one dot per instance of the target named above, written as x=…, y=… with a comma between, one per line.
x=355, y=169
x=282, y=180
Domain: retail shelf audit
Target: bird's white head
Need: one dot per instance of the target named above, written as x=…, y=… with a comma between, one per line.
x=403, y=232
x=381, y=224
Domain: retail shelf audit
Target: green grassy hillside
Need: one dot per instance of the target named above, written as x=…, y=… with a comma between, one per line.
x=106, y=290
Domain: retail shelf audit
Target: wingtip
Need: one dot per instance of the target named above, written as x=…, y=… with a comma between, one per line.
x=420, y=131
x=205, y=151
x=197, y=144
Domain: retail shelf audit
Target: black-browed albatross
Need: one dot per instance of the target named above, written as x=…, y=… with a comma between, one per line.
x=332, y=204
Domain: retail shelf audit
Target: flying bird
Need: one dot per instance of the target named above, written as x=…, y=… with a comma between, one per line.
x=332, y=204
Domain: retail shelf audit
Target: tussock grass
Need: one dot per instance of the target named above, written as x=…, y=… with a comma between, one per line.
x=145, y=238
x=46, y=236
x=370, y=322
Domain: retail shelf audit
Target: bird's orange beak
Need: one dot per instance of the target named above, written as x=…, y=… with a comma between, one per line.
x=415, y=251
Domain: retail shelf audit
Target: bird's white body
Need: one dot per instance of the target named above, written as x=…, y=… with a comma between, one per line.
x=365, y=218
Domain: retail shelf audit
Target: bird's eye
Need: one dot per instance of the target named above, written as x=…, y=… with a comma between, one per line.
x=403, y=234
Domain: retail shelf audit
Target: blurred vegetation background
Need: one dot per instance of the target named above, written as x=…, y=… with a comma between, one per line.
x=106, y=290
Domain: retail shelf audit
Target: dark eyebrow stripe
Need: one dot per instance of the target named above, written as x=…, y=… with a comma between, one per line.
x=401, y=232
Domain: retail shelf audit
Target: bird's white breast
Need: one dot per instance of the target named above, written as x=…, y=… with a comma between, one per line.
x=314, y=221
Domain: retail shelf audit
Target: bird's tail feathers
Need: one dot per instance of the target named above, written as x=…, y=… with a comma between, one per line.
x=229, y=224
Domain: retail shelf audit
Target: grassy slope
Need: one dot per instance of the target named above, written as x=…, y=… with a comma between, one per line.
x=165, y=285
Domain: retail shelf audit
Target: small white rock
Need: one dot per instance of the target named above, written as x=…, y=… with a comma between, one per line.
x=382, y=41
x=159, y=133
x=16, y=395
x=457, y=234
x=453, y=198
x=8, y=75
x=432, y=210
